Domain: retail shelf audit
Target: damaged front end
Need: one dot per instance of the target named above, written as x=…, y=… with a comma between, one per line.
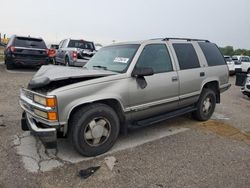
x=40, y=114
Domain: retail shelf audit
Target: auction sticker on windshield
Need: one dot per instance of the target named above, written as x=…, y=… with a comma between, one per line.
x=121, y=60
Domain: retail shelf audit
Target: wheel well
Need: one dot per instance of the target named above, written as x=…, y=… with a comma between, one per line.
x=113, y=103
x=214, y=85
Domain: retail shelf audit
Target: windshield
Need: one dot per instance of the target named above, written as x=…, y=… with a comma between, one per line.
x=113, y=58
x=81, y=44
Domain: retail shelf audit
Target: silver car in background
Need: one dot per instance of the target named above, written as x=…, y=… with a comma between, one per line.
x=72, y=52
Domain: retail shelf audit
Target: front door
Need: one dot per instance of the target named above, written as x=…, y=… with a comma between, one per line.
x=162, y=90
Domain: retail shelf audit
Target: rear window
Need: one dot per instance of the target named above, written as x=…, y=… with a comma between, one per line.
x=81, y=44
x=212, y=54
x=186, y=55
x=29, y=42
x=228, y=58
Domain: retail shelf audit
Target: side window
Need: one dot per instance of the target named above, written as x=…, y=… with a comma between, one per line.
x=212, y=54
x=155, y=56
x=186, y=55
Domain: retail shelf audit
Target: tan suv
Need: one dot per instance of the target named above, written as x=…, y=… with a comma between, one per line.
x=125, y=85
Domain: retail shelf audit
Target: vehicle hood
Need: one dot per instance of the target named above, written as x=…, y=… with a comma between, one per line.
x=51, y=74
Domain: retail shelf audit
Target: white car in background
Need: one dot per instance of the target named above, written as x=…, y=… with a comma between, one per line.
x=245, y=64
x=237, y=62
x=230, y=64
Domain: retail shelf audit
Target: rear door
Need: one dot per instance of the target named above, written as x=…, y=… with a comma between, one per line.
x=191, y=74
x=161, y=93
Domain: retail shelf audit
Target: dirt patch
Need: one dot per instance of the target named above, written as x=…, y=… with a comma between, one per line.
x=224, y=130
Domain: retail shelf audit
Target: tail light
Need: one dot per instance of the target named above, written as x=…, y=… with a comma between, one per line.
x=51, y=53
x=74, y=54
x=12, y=48
x=47, y=51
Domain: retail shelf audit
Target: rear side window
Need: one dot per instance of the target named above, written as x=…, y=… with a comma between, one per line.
x=212, y=54
x=29, y=42
x=186, y=55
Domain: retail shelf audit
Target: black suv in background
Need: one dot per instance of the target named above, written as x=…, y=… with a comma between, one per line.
x=25, y=51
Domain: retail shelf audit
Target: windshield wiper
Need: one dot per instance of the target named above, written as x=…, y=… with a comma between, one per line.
x=101, y=67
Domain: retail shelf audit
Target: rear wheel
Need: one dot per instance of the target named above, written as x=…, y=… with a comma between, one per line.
x=9, y=65
x=205, y=105
x=94, y=129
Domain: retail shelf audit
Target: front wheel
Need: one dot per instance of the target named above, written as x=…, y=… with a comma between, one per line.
x=67, y=61
x=94, y=129
x=205, y=105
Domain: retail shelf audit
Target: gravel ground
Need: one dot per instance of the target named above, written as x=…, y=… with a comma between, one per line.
x=215, y=153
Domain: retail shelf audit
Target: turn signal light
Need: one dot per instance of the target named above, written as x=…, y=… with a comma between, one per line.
x=51, y=102
x=52, y=116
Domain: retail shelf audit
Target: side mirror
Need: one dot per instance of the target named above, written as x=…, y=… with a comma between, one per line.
x=142, y=71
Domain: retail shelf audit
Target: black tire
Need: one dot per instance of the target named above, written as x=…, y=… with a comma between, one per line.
x=80, y=123
x=67, y=62
x=204, y=112
x=9, y=65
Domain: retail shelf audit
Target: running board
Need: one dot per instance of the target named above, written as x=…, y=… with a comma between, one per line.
x=163, y=117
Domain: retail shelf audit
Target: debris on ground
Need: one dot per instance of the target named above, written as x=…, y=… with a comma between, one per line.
x=88, y=172
x=110, y=162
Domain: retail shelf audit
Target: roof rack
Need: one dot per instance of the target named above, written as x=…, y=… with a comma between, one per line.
x=187, y=39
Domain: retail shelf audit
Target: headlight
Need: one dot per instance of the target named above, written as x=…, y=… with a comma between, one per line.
x=50, y=101
x=40, y=100
x=46, y=115
x=41, y=113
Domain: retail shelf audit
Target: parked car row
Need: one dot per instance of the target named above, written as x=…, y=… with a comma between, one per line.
x=238, y=62
x=33, y=52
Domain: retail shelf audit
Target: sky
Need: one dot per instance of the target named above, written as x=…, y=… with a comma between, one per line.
x=225, y=22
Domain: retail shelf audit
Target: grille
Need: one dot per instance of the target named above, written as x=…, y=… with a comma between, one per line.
x=29, y=95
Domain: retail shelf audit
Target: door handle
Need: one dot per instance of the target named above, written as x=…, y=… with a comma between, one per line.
x=174, y=78
x=202, y=74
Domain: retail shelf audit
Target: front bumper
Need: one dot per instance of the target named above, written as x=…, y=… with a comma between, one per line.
x=47, y=135
x=43, y=128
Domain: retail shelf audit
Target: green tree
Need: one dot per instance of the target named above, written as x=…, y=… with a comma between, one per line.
x=228, y=50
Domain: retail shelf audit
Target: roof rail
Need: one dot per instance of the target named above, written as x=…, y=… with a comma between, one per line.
x=187, y=39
